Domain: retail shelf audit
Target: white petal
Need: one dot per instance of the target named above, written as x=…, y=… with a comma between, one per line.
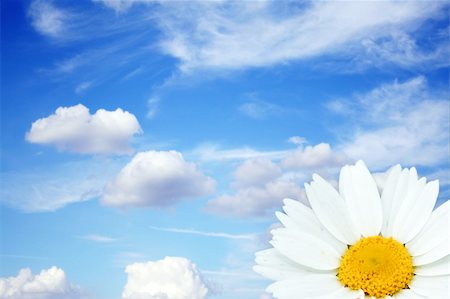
x=387, y=196
x=307, y=286
x=433, y=255
x=273, y=265
x=305, y=249
x=362, y=198
x=401, y=188
x=408, y=294
x=416, y=210
x=440, y=267
x=436, y=287
x=314, y=229
x=345, y=293
x=331, y=210
x=435, y=231
x=305, y=218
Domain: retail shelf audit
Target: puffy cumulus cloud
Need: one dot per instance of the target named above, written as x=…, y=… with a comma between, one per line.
x=75, y=129
x=399, y=122
x=48, y=19
x=156, y=179
x=48, y=284
x=316, y=156
x=255, y=201
x=169, y=278
x=256, y=172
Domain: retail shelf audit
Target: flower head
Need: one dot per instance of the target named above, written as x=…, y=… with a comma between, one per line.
x=367, y=240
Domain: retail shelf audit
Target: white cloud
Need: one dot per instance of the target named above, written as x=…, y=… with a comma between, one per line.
x=48, y=284
x=236, y=35
x=316, y=156
x=156, y=179
x=169, y=278
x=48, y=19
x=75, y=129
x=204, y=233
x=398, y=123
x=256, y=172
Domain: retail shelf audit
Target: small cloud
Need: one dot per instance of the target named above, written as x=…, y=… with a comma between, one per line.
x=99, y=238
x=47, y=19
x=48, y=284
x=169, y=278
x=156, y=179
x=82, y=87
x=297, y=140
x=74, y=129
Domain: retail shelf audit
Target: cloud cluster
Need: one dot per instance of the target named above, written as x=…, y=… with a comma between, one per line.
x=48, y=284
x=260, y=187
x=75, y=129
x=399, y=122
x=169, y=278
x=156, y=178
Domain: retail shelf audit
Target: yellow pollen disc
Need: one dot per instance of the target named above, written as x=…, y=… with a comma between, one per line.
x=377, y=265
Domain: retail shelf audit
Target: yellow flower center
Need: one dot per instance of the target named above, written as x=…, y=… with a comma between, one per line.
x=377, y=265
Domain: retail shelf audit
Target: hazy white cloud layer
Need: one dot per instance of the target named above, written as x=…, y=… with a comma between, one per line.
x=51, y=188
x=241, y=34
x=169, y=278
x=156, y=179
x=400, y=122
x=48, y=19
x=48, y=284
x=75, y=129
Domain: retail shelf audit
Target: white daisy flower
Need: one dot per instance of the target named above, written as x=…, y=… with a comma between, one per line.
x=365, y=241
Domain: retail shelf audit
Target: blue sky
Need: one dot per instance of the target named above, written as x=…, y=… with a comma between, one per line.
x=137, y=130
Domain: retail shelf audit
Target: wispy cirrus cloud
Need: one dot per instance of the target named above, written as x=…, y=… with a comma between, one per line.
x=205, y=233
x=232, y=35
x=236, y=35
x=99, y=238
